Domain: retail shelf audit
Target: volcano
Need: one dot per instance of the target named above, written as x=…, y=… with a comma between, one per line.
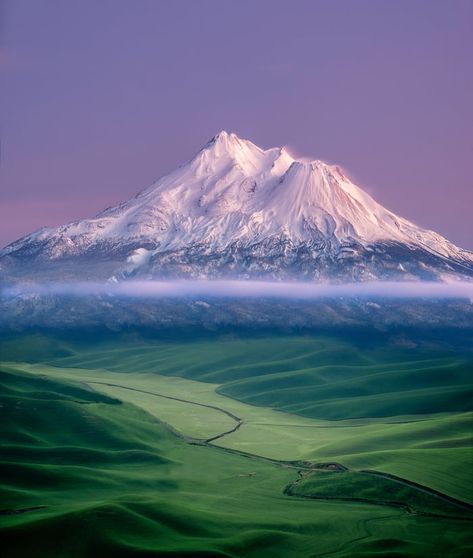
x=238, y=211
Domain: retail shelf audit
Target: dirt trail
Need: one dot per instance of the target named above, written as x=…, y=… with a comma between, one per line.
x=237, y=420
x=420, y=488
x=303, y=467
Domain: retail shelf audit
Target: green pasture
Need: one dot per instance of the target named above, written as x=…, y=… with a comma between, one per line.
x=433, y=449
x=365, y=487
x=106, y=437
x=84, y=475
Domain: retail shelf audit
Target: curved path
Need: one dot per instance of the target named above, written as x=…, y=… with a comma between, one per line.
x=237, y=420
x=301, y=466
x=420, y=488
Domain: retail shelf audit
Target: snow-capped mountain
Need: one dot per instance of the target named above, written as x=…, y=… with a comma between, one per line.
x=236, y=210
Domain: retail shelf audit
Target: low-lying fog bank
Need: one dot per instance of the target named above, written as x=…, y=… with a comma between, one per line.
x=227, y=305
x=247, y=289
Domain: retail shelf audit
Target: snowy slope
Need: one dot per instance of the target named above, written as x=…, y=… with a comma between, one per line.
x=239, y=210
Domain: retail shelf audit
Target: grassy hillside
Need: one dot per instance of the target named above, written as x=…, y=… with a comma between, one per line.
x=367, y=487
x=317, y=377
x=85, y=476
x=138, y=443
x=434, y=449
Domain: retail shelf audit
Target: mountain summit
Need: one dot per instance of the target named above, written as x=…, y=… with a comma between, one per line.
x=236, y=210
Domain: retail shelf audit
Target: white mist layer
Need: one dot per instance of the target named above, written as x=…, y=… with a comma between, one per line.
x=245, y=289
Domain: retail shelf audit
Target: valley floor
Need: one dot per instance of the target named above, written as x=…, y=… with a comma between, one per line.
x=201, y=457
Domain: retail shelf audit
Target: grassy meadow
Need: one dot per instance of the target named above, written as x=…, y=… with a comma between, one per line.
x=135, y=446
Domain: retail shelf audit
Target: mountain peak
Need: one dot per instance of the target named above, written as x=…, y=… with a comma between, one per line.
x=238, y=209
x=225, y=139
x=231, y=144
x=228, y=149
x=223, y=135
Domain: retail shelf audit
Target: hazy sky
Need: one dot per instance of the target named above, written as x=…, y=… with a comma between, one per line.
x=101, y=97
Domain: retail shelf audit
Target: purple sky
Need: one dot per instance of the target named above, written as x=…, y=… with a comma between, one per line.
x=101, y=97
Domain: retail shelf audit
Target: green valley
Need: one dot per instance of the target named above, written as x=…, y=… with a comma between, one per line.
x=283, y=445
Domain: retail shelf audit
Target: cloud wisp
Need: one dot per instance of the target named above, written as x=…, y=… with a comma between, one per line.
x=247, y=289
